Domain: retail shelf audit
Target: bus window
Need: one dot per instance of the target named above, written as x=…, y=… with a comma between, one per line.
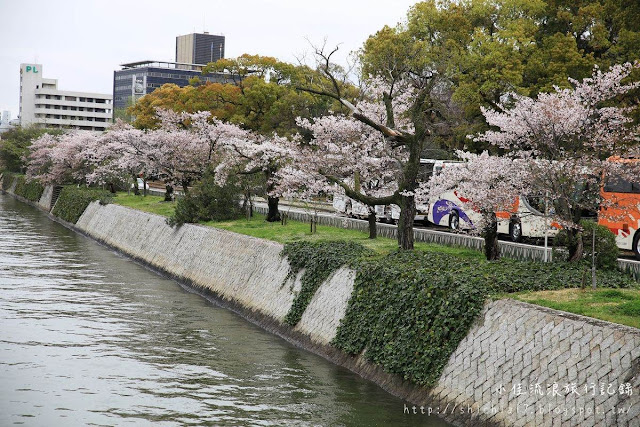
x=619, y=185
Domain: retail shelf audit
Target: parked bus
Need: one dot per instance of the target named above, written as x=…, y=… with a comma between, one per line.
x=525, y=218
x=386, y=213
x=620, y=209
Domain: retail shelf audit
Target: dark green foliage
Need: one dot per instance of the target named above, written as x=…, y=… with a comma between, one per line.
x=30, y=190
x=14, y=146
x=410, y=310
x=7, y=180
x=319, y=260
x=73, y=201
x=607, y=251
x=409, y=320
x=207, y=201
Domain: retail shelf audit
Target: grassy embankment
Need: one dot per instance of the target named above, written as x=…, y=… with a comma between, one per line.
x=615, y=305
x=294, y=231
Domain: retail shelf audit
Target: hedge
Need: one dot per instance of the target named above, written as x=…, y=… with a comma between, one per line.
x=73, y=201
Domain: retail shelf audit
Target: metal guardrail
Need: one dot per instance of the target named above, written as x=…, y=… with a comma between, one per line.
x=630, y=266
x=520, y=251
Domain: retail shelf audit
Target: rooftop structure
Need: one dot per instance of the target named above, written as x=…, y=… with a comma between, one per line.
x=199, y=48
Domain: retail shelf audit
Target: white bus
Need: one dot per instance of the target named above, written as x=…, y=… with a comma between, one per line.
x=526, y=218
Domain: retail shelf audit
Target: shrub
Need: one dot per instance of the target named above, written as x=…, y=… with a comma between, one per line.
x=30, y=190
x=207, y=201
x=73, y=201
x=607, y=251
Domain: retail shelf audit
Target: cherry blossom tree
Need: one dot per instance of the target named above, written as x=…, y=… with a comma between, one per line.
x=247, y=153
x=486, y=184
x=61, y=159
x=566, y=137
x=408, y=107
x=344, y=154
x=119, y=156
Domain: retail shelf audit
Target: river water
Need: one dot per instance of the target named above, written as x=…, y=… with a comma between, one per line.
x=88, y=337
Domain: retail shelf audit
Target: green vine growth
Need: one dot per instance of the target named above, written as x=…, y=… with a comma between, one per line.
x=318, y=260
x=31, y=190
x=73, y=201
x=7, y=180
x=410, y=310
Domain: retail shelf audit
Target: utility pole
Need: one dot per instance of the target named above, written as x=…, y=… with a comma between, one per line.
x=593, y=259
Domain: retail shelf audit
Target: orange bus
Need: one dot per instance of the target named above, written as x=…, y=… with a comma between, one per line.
x=620, y=208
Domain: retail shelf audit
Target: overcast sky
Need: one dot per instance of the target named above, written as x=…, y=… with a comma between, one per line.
x=81, y=42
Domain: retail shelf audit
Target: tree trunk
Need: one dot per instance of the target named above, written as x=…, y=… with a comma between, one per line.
x=136, y=190
x=405, y=223
x=575, y=246
x=112, y=188
x=490, y=232
x=185, y=187
x=273, y=214
x=168, y=193
x=373, y=226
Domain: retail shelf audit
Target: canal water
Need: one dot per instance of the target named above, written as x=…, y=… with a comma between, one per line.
x=88, y=337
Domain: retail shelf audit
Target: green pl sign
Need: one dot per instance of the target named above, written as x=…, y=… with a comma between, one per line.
x=31, y=68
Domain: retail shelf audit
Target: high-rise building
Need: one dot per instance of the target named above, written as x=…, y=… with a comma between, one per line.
x=42, y=104
x=199, y=48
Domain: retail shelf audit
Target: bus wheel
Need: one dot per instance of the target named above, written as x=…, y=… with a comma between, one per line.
x=454, y=221
x=636, y=245
x=515, y=231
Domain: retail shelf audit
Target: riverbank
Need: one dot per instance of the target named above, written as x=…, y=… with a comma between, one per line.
x=510, y=344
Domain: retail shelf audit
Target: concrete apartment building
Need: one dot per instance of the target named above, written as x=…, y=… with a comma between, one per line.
x=43, y=104
x=5, y=121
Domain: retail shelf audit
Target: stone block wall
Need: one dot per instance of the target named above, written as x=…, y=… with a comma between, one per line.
x=509, y=363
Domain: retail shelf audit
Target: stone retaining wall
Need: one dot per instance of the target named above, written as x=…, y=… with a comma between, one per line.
x=511, y=344
x=45, y=199
x=517, y=352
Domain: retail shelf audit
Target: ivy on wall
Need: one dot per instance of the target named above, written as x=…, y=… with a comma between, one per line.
x=7, y=180
x=319, y=260
x=409, y=310
x=73, y=201
x=31, y=190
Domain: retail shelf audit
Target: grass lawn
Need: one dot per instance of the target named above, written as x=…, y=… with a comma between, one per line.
x=614, y=305
x=152, y=204
x=292, y=232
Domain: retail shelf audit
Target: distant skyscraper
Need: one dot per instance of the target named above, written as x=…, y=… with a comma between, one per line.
x=199, y=48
